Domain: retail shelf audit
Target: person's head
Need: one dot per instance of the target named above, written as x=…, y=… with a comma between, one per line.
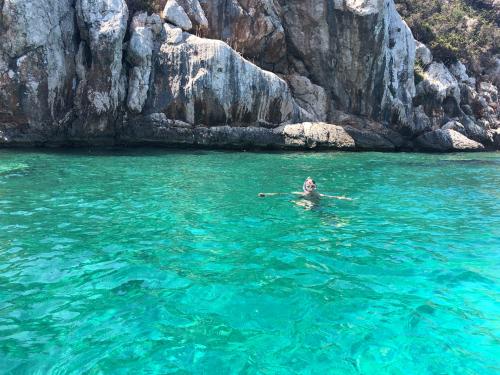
x=309, y=185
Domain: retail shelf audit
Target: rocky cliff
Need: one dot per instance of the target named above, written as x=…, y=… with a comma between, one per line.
x=265, y=73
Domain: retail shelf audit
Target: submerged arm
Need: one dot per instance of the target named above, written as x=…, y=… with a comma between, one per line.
x=273, y=194
x=336, y=197
x=269, y=194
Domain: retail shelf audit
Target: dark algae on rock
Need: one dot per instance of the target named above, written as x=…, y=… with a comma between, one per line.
x=301, y=74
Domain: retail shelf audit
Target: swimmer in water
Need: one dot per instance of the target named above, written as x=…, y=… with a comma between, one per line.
x=309, y=192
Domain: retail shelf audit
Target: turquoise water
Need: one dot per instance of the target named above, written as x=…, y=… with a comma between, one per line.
x=157, y=262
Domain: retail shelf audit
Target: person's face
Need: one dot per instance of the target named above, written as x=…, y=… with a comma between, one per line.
x=310, y=185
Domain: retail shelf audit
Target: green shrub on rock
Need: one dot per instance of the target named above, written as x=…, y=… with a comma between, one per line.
x=455, y=29
x=150, y=6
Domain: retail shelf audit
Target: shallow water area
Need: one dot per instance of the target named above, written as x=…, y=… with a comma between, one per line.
x=156, y=261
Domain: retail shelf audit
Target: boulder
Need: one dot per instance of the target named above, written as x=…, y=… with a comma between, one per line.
x=447, y=140
x=369, y=140
x=316, y=135
x=423, y=54
x=439, y=83
x=459, y=71
x=174, y=34
x=367, y=133
x=475, y=132
x=195, y=12
x=488, y=90
x=176, y=15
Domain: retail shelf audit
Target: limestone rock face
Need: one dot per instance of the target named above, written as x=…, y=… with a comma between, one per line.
x=253, y=28
x=448, y=96
x=361, y=53
x=447, y=140
x=288, y=73
x=203, y=81
x=139, y=54
x=37, y=67
x=311, y=97
x=421, y=121
x=101, y=88
x=438, y=97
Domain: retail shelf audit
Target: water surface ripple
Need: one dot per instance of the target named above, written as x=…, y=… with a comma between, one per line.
x=157, y=262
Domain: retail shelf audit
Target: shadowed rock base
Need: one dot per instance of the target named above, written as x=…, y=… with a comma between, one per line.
x=351, y=134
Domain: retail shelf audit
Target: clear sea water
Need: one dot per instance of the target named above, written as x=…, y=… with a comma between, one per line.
x=158, y=262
